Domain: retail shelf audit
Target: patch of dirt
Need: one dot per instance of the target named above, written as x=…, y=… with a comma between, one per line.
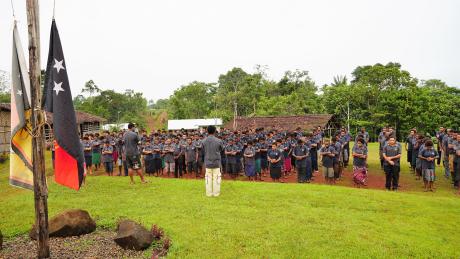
x=98, y=244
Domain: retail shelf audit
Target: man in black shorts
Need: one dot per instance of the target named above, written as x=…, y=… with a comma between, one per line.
x=133, y=160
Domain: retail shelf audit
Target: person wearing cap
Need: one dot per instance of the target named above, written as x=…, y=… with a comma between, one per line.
x=212, y=147
x=132, y=153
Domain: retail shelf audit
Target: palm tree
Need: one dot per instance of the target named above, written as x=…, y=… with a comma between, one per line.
x=340, y=80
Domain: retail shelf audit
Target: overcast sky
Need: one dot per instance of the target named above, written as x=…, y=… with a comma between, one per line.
x=156, y=46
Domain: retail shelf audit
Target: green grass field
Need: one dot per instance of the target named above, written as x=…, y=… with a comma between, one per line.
x=255, y=220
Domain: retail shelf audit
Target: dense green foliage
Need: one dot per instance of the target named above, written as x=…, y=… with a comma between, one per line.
x=377, y=95
x=4, y=87
x=115, y=107
x=262, y=220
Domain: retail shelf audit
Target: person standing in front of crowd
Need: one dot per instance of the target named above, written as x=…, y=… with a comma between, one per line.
x=249, y=161
x=132, y=153
x=391, y=166
x=274, y=157
x=107, y=157
x=427, y=156
x=409, y=146
x=359, y=163
x=212, y=148
x=87, y=150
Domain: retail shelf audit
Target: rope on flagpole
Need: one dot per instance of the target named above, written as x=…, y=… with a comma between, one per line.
x=54, y=8
x=12, y=8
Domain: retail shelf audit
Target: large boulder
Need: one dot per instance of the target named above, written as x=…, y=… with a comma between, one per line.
x=131, y=235
x=73, y=222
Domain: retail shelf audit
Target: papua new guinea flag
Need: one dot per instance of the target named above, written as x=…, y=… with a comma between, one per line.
x=69, y=165
x=21, y=139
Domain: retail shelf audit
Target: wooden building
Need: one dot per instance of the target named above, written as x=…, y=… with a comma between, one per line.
x=5, y=128
x=306, y=122
x=87, y=123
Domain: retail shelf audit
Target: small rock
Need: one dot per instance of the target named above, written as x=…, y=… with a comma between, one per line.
x=68, y=223
x=131, y=235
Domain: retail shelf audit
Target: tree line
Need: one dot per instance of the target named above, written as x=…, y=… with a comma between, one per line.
x=376, y=96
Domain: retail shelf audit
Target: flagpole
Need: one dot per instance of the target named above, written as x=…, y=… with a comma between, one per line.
x=38, y=144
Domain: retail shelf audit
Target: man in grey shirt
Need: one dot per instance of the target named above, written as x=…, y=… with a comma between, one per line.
x=212, y=147
x=133, y=160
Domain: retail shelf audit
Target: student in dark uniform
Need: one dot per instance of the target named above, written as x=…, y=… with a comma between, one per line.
x=417, y=148
x=87, y=149
x=191, y=158
x=409, y=146
x=96, y=155
x=391, y=156
x=300, y=156
x=456, y=147
x=359, y=163
x=287, y=150
x=315, y=145
x=148, y=157
x=263, y=149
x=249, y=161
x=156, y=147
x=327, y=153
x=428, y=156
x=179, y=159
x=230, y=153
x=258, y=168
x=107, y=157
x=338, y=157
x=439, y=136
x=274, y=157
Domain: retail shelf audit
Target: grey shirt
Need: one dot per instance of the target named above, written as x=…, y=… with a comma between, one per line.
x=131, y=140
x=392, y=151
x=212, y=147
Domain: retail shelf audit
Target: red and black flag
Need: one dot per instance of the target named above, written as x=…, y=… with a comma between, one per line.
x=69, y=164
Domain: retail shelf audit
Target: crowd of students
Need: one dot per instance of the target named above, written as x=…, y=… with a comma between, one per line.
x=259, y=152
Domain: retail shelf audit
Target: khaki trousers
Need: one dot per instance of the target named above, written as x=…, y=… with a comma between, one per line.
x=213, y=179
